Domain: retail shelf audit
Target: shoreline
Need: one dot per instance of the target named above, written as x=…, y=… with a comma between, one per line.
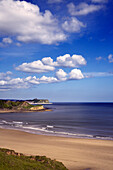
x=24, y=111
x=74, y=153
x=59, y=135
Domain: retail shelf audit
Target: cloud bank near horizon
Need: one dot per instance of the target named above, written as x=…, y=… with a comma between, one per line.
x=8, y=83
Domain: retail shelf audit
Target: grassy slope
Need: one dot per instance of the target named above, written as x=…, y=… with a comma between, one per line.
x=10, y=160
x=16, y=105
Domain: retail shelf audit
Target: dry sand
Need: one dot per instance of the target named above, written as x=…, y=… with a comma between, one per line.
x=76, y=154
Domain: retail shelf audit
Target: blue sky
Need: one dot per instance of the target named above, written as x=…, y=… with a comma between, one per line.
x=56, y=49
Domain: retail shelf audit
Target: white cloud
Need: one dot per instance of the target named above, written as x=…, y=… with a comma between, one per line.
x=45, y=79
x=61, y=75
x=18, y=44
x=14, y=83
x=47, y=63
x=35, y=67
x=110, y=58
x=32, y=80
x=7, y=40
x=99, y=58
x=97, y=74
x=68, y=61
x=65, y=61
x=17, y=83
x=5, y=76
x=54, y=1
x=25, y=21
x=99, y=1
x=83, y=8
x=76, y=74
x=72, y=25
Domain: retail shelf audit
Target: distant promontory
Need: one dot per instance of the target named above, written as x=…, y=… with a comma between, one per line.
x=38, y=101
x=20, y=106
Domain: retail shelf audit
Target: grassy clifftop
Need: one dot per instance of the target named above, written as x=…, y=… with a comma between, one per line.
x=10, y=160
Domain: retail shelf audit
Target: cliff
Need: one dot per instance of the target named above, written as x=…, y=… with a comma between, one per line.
x=14, y=106
x=37, y=108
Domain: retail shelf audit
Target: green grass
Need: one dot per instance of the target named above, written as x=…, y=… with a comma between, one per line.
x=29, y=106
x=7, y=104
x=10, y=160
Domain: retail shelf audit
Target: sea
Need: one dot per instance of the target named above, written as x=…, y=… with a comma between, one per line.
x=75, y=120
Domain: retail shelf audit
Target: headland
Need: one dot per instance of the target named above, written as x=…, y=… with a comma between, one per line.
x=8, y=106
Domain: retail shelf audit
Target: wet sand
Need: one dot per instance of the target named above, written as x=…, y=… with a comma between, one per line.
x=76, y=154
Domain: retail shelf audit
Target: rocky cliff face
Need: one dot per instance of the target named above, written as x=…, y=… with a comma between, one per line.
x=37, y=108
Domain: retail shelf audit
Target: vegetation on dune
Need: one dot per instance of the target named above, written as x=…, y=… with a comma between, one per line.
x=10, y=160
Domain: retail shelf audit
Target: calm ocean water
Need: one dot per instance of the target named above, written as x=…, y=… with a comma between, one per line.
x=83, y=120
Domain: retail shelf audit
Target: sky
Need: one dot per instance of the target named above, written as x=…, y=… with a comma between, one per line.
x=61, y=50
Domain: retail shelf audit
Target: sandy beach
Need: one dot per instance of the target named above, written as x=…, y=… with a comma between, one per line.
x=23, y=111
x=76, y=154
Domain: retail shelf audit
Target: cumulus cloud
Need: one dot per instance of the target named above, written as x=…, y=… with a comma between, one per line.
x=8, y=83
x=83, y=8
x=65, y=61
x=110, y=58
x=5, y=76
x=35, y=67
x=7, y=40
x=17, y=83
x=47, y=63
x=68, y=61
x=54, y=1
x=72, y=25
x=61, y=75
x=76, y=74
x=45, y=79
x=25, y=21
x=14, y=83
x=99, y=1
